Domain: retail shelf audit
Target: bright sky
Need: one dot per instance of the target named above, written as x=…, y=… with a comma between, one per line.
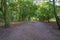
x=39, y=1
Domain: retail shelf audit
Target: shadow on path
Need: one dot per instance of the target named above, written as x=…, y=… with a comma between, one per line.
x=31, y=31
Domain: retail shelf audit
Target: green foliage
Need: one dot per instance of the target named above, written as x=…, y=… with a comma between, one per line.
x=45, y=11
x=19, y=10
x=27, y=9
x=58, y=10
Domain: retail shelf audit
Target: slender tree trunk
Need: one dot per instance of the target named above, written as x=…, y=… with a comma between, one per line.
x=0, y=5
x=57, y=19
x=48, y=18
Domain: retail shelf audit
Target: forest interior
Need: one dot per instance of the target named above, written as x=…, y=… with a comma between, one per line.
x=29, y=19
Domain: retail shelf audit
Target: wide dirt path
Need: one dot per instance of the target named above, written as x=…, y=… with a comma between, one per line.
x=30, y=31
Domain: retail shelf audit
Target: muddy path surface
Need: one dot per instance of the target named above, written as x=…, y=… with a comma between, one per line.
x=31, y=31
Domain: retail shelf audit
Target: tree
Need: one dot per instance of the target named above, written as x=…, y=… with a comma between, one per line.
x=45, y=11
x=4, y=11
x=57, y=18
x=27, y=9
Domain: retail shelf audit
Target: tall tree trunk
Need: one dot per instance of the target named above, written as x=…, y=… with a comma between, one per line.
x=57, y=19
x=5, y=14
